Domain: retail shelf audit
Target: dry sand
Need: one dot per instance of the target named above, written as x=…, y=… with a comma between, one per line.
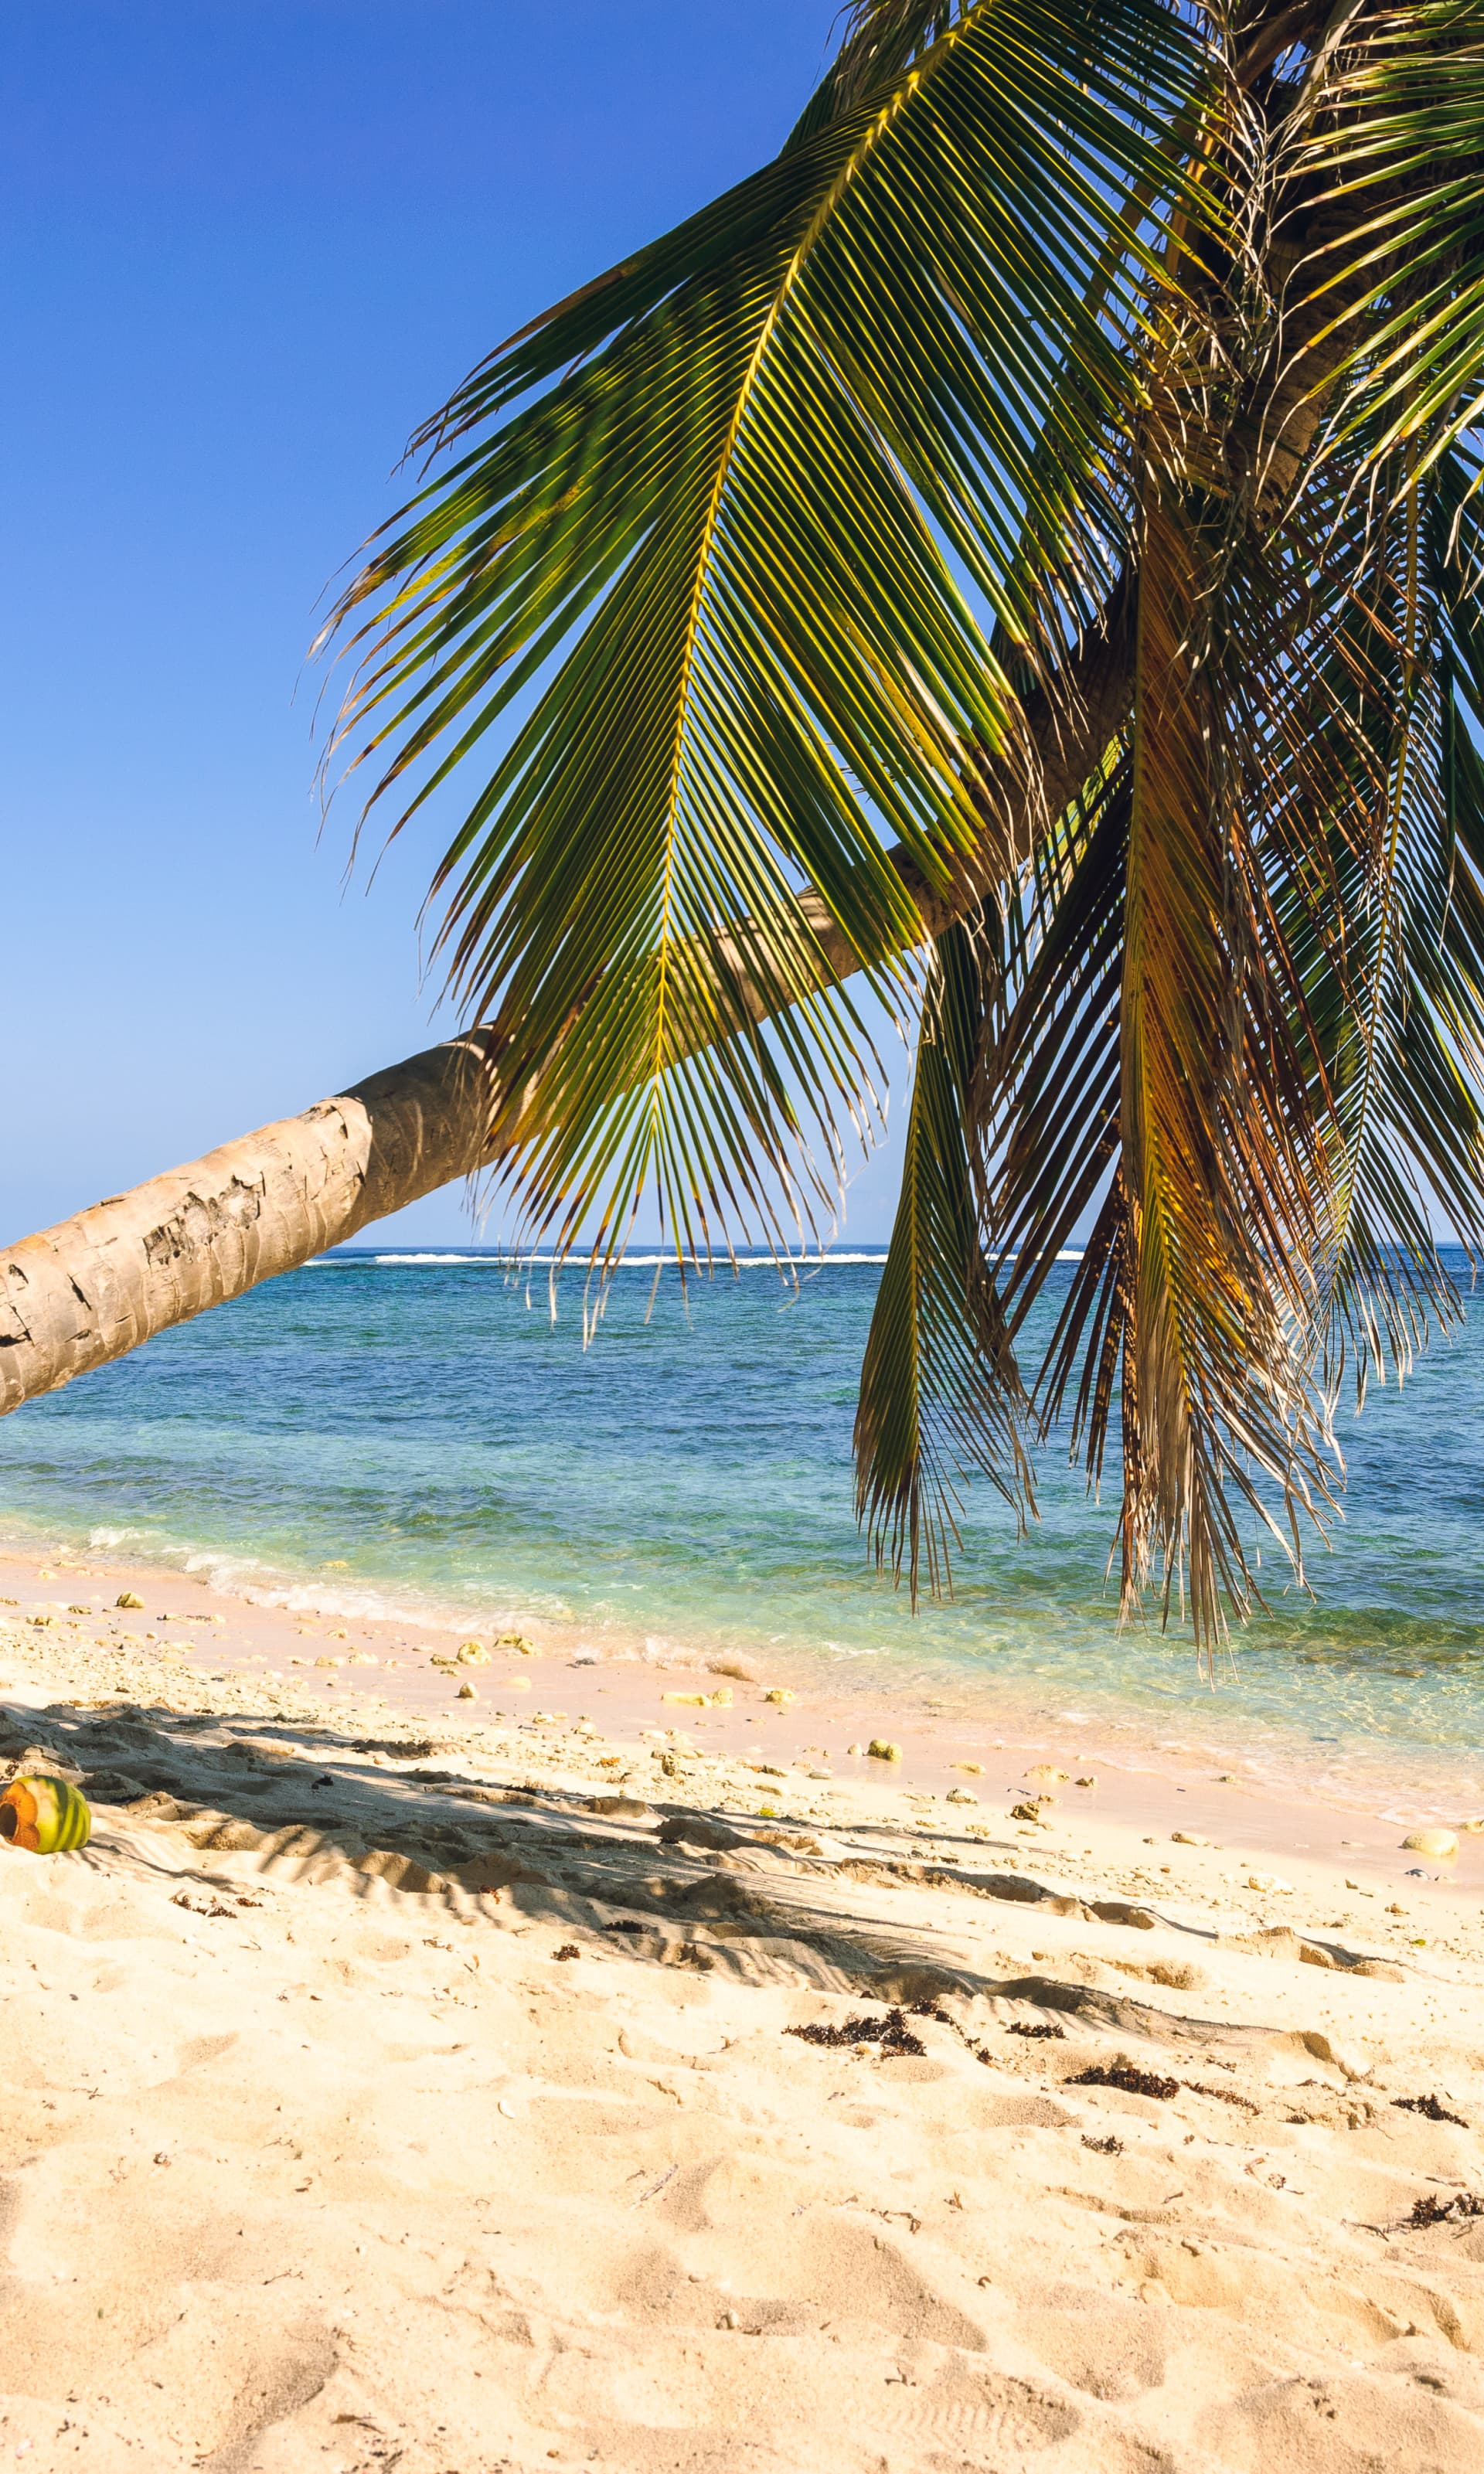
x=391, y=2083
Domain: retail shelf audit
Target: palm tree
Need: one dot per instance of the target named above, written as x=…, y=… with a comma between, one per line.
x=1018, y=553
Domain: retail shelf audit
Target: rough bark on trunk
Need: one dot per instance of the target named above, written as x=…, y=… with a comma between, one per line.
x=95, y=1286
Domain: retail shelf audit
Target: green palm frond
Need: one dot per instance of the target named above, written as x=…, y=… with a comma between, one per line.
x=1390, y=159
x=745, y=513
x=881, y=39
x=1403, y=995
x=940, y=1397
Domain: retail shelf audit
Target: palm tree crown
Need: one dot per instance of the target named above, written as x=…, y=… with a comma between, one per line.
x=1021, y=546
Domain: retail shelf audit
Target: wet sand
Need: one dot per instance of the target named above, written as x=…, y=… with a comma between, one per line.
x=318, y=1660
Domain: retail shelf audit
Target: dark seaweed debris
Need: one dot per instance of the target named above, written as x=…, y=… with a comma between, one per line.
x=1132, y=2082
x=569, y=1949
x=1432, y=2106
x=1430, y=2210
x=628, y=1924
x=1109, y=2147
x=891, y=2034
x=1034, y=2028
x=1224, y=2096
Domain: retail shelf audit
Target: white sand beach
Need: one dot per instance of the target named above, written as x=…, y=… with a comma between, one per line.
x=393, y=2085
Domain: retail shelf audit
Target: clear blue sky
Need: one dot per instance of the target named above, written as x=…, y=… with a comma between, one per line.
x=248, y=245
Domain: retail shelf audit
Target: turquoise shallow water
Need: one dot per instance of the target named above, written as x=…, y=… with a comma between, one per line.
x=410, y=1431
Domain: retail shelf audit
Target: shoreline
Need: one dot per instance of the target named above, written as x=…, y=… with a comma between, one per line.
x=313, y=1662
x=415, y=1447
x=1079, y=1715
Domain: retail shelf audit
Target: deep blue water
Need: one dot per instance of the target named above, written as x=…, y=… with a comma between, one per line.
x=413, y=1432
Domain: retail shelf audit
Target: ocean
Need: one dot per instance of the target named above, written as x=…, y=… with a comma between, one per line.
x=406, y=1431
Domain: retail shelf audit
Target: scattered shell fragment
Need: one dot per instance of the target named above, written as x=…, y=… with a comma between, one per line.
x=1089, y=1780
x=880, y=1750
x=1047, y=1774
x=473, y=1653
x=1437, y=1843
x=961, y=1795
x=1187, y=1838
x=466, y=1692
x=127, y=1598
x=779, y=1697
x=1030, y=1810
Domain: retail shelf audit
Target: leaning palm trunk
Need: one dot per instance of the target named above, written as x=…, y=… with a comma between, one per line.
x=97, y=1285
